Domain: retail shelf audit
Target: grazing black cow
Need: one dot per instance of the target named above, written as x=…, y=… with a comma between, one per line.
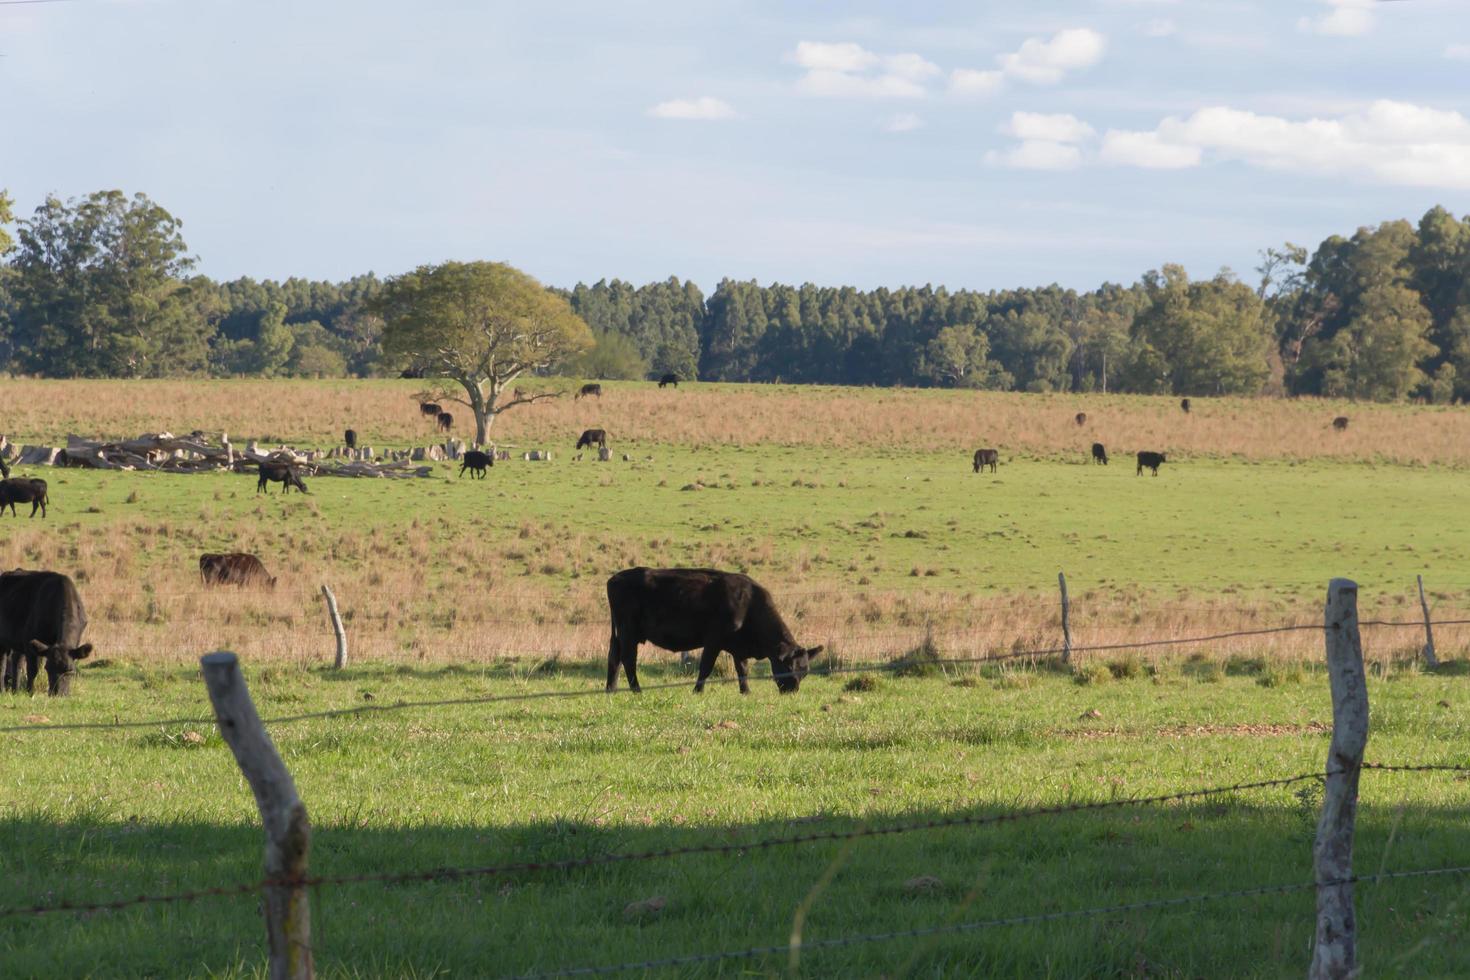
x=350, y=438
x=1147, y=460
x=235, y=568
x=592, y=437
x=1340, y=423
x=41, y=617
x=588, y=391
x=1081, y=418
x=986, y=457
x=690, y=608
x=23, y=491
x=476, y=462
x=411, y=372
x=668, y=379
x=446, y=421
x=1099, y=454
x=1184, y=404
x=282, y=473
x=431, y=409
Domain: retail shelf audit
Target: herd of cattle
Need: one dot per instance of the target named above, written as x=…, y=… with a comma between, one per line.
x=678, y=609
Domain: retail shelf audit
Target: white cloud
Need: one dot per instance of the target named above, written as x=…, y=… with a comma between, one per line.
x=1038, y=61
x=1159, y=27
x=1459, y=52
x=1147, y=150
x=970, y=82
x=904, y=122
x=1037, y=155
x=704, y=107
x=848, y=70
x=1058, y=128
x=1046, y=62
x=1345, y=18
x=1392, y=142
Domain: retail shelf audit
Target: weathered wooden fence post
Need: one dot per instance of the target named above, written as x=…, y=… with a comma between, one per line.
x=1335, y=954
x=287, y=829
x=1429, y=656
x=336, y=626
x=1066, y=620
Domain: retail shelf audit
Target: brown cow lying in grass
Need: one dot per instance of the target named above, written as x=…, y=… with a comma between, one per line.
x=235, y=568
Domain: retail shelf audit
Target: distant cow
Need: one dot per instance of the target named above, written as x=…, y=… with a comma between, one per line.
x=41, y=618
x=1184, y=404
x=592, y=437
x=411, y=372
x=1147, y=460
x=476, y=462
x=1340, y=423
x=1081, y=418
x=446, y=421
x=23, y=491
x=668, y=379
x=986, y=457
x=4, y=470
x=691, y=608
x=235, y=568
x=431, y=409
x=282, y=473
x=350, y=438
x=588, y=391
x=1099, y=454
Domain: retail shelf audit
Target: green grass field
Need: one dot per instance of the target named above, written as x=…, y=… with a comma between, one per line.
x=458, y=588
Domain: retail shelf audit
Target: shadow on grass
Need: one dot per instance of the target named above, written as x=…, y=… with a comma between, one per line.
x=605, y=912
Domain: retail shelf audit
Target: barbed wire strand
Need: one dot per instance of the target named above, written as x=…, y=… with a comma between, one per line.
x=1015, y=920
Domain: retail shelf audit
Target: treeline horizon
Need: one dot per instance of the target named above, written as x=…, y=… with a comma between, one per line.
x=104, y=286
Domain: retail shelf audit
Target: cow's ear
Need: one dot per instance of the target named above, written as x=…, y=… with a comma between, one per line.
x=814, y=651
x=82, y=652
x=38, y=646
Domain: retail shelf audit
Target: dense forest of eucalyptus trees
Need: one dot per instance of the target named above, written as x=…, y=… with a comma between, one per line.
x=104, y=286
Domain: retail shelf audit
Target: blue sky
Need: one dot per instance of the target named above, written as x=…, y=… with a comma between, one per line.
x=982, y=145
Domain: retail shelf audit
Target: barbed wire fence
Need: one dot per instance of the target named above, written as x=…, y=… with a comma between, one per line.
x=285, y=885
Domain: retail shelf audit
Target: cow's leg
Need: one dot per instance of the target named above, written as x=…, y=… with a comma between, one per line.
x=706, y=667
x=630, y=665
x=33, y=661
x=740, y=674
x=9, y=664
x=614, y=657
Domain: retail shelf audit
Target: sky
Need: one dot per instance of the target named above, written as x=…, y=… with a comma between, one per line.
x=969, y=144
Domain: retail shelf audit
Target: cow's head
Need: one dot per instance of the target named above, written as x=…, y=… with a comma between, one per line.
x=61, y=663
x=790, y=667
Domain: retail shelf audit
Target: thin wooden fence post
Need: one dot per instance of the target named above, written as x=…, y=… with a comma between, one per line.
x=1335, y=953
x=287, y=829
x=1066, y=620
x=336, y=626
x=1429, y=656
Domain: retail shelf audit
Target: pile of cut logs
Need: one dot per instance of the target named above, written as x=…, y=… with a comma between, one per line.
x=201, y=452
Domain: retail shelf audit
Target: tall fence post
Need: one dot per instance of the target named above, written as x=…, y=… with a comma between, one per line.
x=1335, y=953
x=287, y=829
x=1066, y=620
x=1429, y=656
x=336, y=626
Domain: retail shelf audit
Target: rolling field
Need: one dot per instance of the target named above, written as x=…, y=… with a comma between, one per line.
x=859, y=510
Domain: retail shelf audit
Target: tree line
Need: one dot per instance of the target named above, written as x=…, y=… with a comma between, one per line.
x=104, y=286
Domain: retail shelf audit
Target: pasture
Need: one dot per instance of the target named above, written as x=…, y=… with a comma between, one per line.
x=860, y=511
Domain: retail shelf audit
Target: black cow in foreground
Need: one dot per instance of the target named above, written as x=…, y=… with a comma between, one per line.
x=588, y=391
x=445, y=421
x=699, y=608
x=349, y=438
x=592, y=437
x=1147, y=460
x=282, y=473
x=235, y=568
x=986, y=457
x=1184, y=404
x=1099, y=454
x=1340, y=423
x=476, y=462
x=668, y=379
x=41, y=618
x=23, y=491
